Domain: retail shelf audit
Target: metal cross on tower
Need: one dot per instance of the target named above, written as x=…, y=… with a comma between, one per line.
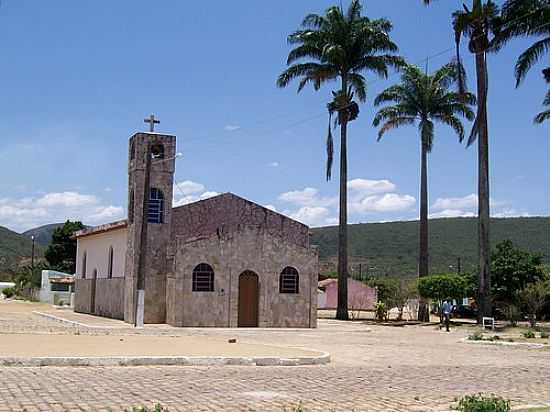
x=152, y=122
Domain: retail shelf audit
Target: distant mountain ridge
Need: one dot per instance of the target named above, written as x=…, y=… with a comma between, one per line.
x=392, y=248
x=375, y=248
x=42, y=234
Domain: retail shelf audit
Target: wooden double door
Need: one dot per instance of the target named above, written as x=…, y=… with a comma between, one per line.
x=248, y=299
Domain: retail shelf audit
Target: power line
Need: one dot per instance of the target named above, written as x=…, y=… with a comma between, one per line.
x=368, y=83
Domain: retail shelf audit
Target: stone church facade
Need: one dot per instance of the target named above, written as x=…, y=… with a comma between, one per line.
x=218, y=262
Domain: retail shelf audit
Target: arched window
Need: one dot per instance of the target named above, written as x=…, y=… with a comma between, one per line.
x=110, y=264
x=84, y=266
x=132, y=149
x=203, y=278
x=131, y=207
x=157, y=151
x=289, y=281
x=155, y=211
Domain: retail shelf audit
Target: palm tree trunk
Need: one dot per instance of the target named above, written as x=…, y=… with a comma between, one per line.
x=423, y=259
x=342, y=310
x=485, y=305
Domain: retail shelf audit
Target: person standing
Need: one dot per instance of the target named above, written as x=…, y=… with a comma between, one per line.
x=447, y=309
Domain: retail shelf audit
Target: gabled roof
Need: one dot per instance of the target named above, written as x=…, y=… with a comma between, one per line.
x=120, y=224
x=229, y=212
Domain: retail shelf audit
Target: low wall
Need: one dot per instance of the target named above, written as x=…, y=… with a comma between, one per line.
x=109, y=297
x=83, y=295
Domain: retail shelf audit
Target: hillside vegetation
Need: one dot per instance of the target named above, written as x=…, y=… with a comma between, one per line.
x=15, y=249
x=392, y=248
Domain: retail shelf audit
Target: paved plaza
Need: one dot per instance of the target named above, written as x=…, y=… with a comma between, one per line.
x=373, y=368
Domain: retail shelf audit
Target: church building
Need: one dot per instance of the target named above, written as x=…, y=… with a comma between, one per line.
x=219, y=262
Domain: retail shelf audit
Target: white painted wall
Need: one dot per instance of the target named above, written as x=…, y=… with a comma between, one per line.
x=96, y=248
x=47, y=295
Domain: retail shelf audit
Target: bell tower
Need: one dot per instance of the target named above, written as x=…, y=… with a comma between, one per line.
x=151, y=168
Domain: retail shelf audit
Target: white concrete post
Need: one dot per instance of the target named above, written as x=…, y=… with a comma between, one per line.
x=140, y=308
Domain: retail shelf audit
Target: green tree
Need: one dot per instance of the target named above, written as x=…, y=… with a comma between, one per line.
x=340, y=45
x=394, y=292
x=61, y=253
x=478, y=23
x=533, y=297
x=513, y=270
x=527, y=18
x=441, y=287
x=422, y=100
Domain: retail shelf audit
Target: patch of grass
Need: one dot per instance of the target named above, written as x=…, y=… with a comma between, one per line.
x=483, y=403
x=529, y=334
x=477, y=335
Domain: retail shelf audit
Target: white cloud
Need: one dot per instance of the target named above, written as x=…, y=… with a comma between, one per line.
x=387, y=203
x=307, y=197
x=466, y=206
x=271, y=207
x=510, y=213
x=66, y=199
x=188, y=187
x=365, y=197
x=189, y=192
x=274, y=164
x=25, y=213
x=231, y=127
x=369, y=187
x=451, y=213
x=456, y=203
x=312, y=216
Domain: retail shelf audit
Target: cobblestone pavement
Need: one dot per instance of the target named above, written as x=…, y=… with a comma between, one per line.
x=374, y=368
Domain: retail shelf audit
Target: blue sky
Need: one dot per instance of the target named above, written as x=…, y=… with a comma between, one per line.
x=78, y=78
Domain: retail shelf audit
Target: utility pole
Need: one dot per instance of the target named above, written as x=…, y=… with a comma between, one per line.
x=32, y=255
x=458, y=266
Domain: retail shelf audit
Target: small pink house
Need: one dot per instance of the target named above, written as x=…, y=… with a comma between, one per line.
x=360, y=296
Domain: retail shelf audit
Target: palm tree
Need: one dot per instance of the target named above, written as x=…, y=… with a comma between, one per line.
x=340, y=46
x=545, y=115
x=479, y=24
x=525, y=18
x=422, y=99
x=521, y=19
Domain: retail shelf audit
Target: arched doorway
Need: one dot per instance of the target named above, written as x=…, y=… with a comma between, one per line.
x=92, y=292
x=248, y=299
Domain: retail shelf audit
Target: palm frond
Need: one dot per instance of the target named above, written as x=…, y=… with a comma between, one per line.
x=394, y=123
x=529, y=57
x=542, y=117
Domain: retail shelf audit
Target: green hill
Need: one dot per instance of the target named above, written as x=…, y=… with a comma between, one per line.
x=43, y=234
x=392, y=248
x=15, y=249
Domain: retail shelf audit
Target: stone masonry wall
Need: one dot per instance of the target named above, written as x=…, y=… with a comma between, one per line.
x=228, y=212
x=230, y=254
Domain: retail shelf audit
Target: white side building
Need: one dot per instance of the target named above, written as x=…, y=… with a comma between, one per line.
x=56, y=287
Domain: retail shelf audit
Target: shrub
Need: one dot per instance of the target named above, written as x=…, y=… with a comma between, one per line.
x=482, y=403
x=380, y=311
x=529, y=334
x=158, y=408
x=8, y=292
x=477, y=335
x=512, y=314
x=544, y=335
